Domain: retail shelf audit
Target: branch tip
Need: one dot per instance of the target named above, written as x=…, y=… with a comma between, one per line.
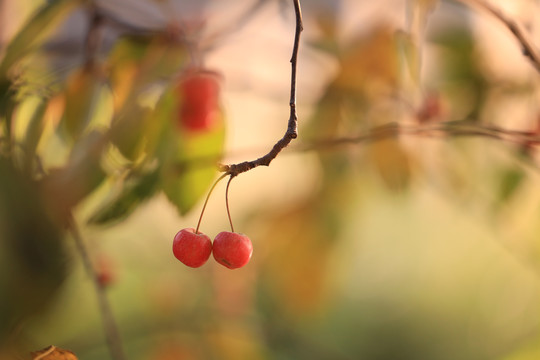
x=292, y=124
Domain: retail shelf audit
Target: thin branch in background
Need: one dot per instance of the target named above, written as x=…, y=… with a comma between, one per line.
x=441, y=130
x=112, y=335
x=292, y=124
x=528, y=48
x=93, y=37
x=110, y=328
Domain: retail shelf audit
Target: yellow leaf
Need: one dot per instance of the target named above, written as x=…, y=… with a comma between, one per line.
x=370, y=64
x=391, y=162
x=297, y=260
x=88, y=102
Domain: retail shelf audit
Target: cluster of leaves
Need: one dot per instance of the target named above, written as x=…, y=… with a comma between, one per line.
x=114, y=122
x=109, y=130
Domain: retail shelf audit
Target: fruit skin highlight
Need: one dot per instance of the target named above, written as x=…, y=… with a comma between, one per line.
x=232, y=250
x=190, y=248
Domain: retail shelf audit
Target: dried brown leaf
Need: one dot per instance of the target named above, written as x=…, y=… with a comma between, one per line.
x=53, y=353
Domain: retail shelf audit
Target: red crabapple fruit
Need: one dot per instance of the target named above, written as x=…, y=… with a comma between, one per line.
x=232, y=250
x=192, y=249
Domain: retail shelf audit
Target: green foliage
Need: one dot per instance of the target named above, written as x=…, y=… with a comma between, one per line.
x=35, y=32
x=134, y=191
x=189, y=159
x=510, y=182
x=88, y=102
x=32, y=256
x=462, y=79
x=103, y=105
x=34, y=109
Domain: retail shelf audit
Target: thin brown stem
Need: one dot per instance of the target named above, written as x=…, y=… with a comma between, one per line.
x=112, y=335
x=528, y=48
x=93, y=37
x=227, y=203
x=206, y=201
x=441, y=130
x=292, y=124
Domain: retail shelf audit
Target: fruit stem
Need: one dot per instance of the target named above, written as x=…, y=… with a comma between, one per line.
x=206, y=201
x=227, y=202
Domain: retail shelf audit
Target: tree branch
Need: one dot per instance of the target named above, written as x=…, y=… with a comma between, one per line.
x=443, y=130
x=528, y=48
x=93, y=37
x=292, y=125
x=439, y=130
x=112, y=334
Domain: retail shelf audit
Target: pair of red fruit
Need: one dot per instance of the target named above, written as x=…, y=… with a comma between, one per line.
x=199, y=112
x=230, y=249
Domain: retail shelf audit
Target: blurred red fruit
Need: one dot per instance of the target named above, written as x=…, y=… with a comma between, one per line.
x=199, y=93
x=105, y=273
x=431, y=108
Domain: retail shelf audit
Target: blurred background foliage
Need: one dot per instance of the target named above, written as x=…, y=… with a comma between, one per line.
x=378, y=247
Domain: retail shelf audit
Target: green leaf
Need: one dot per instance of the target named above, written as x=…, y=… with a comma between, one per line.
x=189, y=159
x=133, y=193
x=137, y=67
x=187, y=179
x=132, y=131
x=33, y=134
x=35, y=31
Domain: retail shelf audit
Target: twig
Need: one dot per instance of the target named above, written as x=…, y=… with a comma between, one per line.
x=382, y=132
x=292, y=125
x=110, y=328
x=528, y=48
x=93, y=37
x=450, y=129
